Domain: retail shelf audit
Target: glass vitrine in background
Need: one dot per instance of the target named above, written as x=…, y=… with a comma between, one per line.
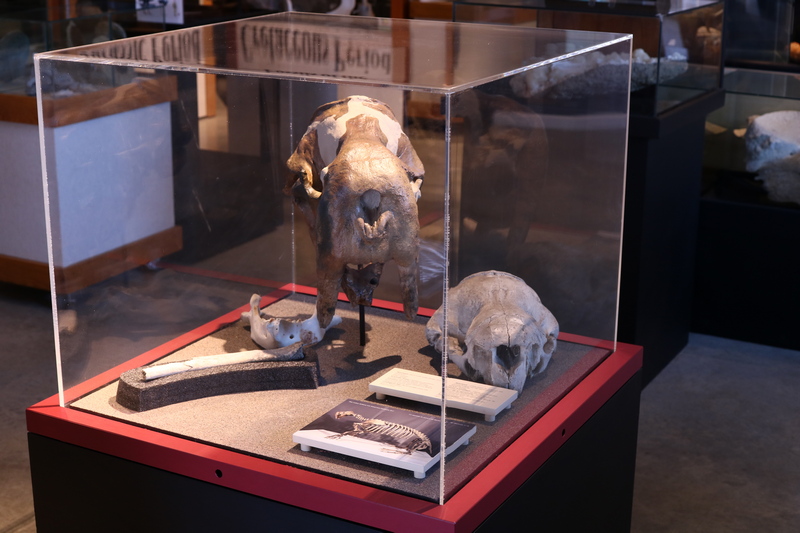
x=751, y=183
x=26, y=32
x=23, y=32
x=677, y=45
x=763, y=34
x=676, y=72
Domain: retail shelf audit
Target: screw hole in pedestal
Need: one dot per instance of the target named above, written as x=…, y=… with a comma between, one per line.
x=218, y=473
x=563, y=432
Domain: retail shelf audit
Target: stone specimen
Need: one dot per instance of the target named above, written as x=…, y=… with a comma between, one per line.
x=598, y=73
x=772, y=142
x=498, y=330
x=290, y=353
x=159, y=385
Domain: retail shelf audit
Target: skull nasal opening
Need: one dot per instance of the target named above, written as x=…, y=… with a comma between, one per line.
x=507, y=355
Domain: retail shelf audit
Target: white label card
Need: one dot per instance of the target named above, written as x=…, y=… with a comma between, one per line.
x=427, y=388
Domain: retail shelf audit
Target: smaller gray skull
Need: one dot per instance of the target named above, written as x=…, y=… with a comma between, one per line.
x=499, y=331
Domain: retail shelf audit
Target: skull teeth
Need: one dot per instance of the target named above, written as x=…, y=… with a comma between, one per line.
x=377, y=229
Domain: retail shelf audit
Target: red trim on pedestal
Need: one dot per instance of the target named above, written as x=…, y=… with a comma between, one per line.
x=335, y=497
x=320, y=493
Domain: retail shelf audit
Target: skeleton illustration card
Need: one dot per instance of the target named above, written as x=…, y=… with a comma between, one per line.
x=383, y=434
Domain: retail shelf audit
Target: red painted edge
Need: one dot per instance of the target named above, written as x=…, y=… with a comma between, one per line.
x=318, y=492
x=494, y=484
x=335, y=497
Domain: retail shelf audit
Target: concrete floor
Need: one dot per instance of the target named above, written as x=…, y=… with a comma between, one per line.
x=719, y=438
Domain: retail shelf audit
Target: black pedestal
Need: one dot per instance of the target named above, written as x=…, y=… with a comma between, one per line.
x=587, y=482
x=748, y=273
x=665, y=160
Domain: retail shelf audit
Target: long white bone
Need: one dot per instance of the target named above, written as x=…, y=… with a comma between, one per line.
x=212, y=361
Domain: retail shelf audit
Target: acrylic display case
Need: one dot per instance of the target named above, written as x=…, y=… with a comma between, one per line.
x=677, y=45
x=750, y=209
x=763, y=35
x=530, y=187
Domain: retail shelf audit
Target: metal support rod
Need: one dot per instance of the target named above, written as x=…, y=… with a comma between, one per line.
x=362, y=326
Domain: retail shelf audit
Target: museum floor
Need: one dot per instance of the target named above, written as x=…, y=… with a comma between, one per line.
x=719, y=437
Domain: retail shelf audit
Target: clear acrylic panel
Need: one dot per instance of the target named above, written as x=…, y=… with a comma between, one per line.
x=166, y=171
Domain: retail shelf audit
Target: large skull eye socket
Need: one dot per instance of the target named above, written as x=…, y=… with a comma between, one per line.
x=470, y=371
x=507, y=355
x=550, y=345
x=480, y=353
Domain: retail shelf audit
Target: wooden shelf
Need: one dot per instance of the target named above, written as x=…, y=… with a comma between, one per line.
x=18, y=108
x=82, y=107
x=95, y=269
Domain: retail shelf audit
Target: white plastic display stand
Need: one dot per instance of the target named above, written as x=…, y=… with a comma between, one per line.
x=427, y=388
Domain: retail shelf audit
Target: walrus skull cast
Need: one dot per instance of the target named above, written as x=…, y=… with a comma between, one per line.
x=498, y=330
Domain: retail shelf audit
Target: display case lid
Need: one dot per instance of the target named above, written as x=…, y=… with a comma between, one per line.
x=762, y=83
x=356, y=50
x=616, y=7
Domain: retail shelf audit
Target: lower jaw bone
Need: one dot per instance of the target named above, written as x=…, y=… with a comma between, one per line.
x=272, y=333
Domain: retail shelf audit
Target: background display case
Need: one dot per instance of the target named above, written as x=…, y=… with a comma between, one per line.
x=676, y=76
x=677, y=45
x=24, y=32
x=750, y=207
x=763, y=34
x=532, y=187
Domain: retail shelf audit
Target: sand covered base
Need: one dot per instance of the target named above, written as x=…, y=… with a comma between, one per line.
x=261, y=423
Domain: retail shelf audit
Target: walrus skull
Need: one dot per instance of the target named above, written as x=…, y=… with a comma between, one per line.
x=498, y=330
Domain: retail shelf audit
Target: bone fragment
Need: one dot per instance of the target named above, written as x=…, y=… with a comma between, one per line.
x=276, y=332
x=293, y=353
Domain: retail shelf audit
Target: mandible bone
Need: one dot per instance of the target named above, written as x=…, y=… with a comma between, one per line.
x=499, y=332
x=273, y=332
